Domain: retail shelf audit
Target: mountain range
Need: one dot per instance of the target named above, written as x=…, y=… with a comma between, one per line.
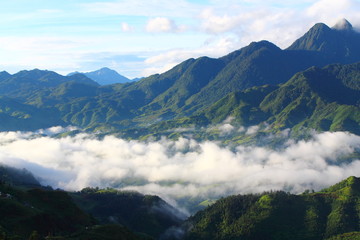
x=288, y=88
x=312, y=84
x=104, y=76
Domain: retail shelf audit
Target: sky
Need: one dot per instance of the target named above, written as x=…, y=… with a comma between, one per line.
x=138, y=38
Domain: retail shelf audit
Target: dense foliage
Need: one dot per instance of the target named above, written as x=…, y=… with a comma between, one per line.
x=280, y=215
x=29, y=210
x=140, y=213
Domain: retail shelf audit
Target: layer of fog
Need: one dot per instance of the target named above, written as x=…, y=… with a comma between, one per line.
x=174, y=169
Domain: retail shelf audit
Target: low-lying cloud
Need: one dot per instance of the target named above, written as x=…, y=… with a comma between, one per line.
x=184, y=167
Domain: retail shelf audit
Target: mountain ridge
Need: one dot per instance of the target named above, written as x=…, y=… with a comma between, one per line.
x=280, y=215
x=191, y=87
x=104, y=76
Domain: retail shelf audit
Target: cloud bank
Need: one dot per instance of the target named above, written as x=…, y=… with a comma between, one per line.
x=182, y=168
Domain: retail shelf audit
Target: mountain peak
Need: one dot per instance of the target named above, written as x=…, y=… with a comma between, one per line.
x=319, y=26
x=4, y=75
x=340, y=42
x=343, y=25
x=106, y=69
x=104, y=76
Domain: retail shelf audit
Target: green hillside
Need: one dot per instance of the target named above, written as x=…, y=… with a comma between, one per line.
x=324, y=99
x=145, y=214
x=31, y=211
x=280, y=215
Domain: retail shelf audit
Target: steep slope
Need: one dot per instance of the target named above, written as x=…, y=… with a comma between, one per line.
x=324, y=99
x=243, y=106
x=341, y=42
x=258, y=64
x=140, y=213
x=40, y=210
x=89, y=214
x=320, y=98
x=280, y=215
x=104, y=76
x=16, y=116
x=191, y=81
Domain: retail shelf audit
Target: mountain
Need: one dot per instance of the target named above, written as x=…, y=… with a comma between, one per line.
x=196, y=89
x=4, y=75
x=280, y=215
x=204, y=81
x=197, y=83
x=17, y=116
x=325, y=99
x=104, y=76
x=26, y=84
x=145, y=214
x=38, y=210
x=341, y=42
x=89, y=214
x=17, y=177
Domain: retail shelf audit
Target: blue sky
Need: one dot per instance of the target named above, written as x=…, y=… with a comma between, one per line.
x=141, y=37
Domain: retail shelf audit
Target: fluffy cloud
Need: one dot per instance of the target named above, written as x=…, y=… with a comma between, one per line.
x=184, y=167
x=214, y=29
x=331, y=11
x=125, y=27
x=213, y=47
x=162, y=25
x=231, y=25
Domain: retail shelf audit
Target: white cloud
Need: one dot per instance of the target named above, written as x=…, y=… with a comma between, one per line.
x=219, y=24
x=150, y=8
x=234, y=25
x=330, y=11
x=203, y=169
x=252, y=130
x=165, y=60
x=125, y=27
x=162, y=25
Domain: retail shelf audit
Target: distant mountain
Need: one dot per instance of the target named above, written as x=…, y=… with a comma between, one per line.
x=136, y=79
x=17, y=116
x=25, y=84
x=280, y=215
x=104, y=76
x=4, y=75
